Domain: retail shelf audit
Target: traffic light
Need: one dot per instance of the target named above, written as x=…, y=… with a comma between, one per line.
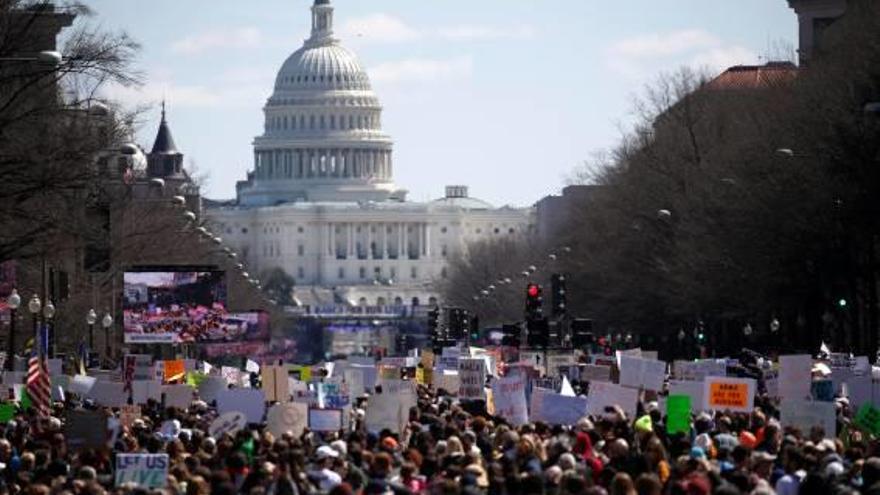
x=459, y=322
x=538, y=332
x=582, y=333
x=557, y=291
x=510, y=335
x=434, y=329
x=534, y=302
x=475, y=328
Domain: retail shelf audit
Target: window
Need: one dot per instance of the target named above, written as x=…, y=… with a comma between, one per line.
x=398, y=301
x=497, y=230
x=432, y=301
x=341, y=273
x=301, y=272
x=444, y=251
x=362, y=301
x=244, y=230
x=443, y=230
x=362, y=273
x=413, y=272
x=380, y=301
x=300, y=250
x=443, y=272
x=416, y=302
x=393, y=273
x=510, y=231
x=377, y=272
x=299, y=230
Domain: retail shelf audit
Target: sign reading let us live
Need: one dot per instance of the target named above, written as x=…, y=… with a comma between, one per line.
x=731, y=394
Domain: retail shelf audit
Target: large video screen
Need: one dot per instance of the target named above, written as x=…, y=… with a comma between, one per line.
x=175, y=306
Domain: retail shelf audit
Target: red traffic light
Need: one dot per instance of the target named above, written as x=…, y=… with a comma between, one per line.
x=532, y=290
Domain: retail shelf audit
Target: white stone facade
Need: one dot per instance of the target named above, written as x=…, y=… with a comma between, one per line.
x=321, y=203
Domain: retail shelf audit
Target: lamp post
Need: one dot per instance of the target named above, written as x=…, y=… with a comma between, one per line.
x=107, y=322
x=48, y=314
x=13, y=301
x=34, y=306
x=91, y=319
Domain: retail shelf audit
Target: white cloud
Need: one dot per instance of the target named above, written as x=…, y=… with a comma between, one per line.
x=642, y=55
x=237, y=38
x=423, y=69
x=379, y=28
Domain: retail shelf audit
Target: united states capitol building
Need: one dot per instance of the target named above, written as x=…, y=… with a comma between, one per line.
x=321, y=203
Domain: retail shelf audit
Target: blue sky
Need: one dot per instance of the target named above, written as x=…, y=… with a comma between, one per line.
x=507, y=96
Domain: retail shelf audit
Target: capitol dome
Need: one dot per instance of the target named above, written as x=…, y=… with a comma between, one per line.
x=323, y=139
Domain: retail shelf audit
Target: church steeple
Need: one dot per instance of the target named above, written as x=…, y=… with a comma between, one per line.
x=322, y=22
x=164, y=161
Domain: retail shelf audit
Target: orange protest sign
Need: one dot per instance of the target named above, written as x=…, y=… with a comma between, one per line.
x=734, y=394
x=174, y=370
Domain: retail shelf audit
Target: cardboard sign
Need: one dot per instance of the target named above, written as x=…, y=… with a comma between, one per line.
x=678, y=414
x=604, y=395
x=642, y=373
x=325, y=420
x=733, y=394
x=694, y=390
x=509, y=397
x=472, y=379
x=275, y=384
x=250, y=402
x=85, y=429
x=230, y=423
x=868, y=419
x=174, y=370
x=795, y=376
x=143, y=470
x=290, y=417
x=804, y=415
x=179, y=396
x=557, y=409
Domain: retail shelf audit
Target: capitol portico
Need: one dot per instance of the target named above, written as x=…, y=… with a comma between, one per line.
x=321, y=204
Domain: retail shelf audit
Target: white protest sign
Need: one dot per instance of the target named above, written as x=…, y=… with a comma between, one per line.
x=472, y=378
x=354, y=378
x=210, y=387
x=81, y=385
x=325, y=420
x=642, y=373
x=275, y=384
x=509, y=395
x=108, y=394
x=629, y=352
x=250, y=402
x=795, y=376
x=558, y=360
x=144, y=390
x=179, y=396
x=604, y=395
x=804, y=415
x=859, y=390
x=447, y=380
x=231, y=375
x=230, y=422
x=698, y=370
x=557, y=409
x=595, y=373
x=692, y=389
x=290, y=417
x=143, y=366
x=144, y=470
x=384, y=414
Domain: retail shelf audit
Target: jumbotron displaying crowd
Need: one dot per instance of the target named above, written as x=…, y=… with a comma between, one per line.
x=453, y=448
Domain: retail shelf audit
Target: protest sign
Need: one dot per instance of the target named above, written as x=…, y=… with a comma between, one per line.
x=144, y=470
x=472, y=378
x=733, y=394
x=556, y=409
x=180, y=396
x=698, y=370
x=275, y=384
x=250, y=402
x=85, y=429
x=642, y=373
x=354, y=378
x=144, y=390
x=795, y=375
x=210, y=387
x=805, y=414
x=290, y=417
x=859, y=390
x=604, y=395
x=230, y=423
x=108, y=394
x=127, y=415
x=678, y=414
x=174, y=370
x=557, y=360
x=81, y=385
x=325, y=420
x=7, y=412
x=509, y=394
x=231, y=375
x=694, y=390
x=868, y=419
x=382, y=414
x=447, y=380
x=143, y=366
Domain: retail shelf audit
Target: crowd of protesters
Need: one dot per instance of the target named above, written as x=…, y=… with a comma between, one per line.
x=449, y=447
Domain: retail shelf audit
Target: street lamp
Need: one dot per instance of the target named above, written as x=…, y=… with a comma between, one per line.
x=91, y=319
x=48, y=57
x=107, y=322
x=13, y=301
x=48, y=314
x=34, y=306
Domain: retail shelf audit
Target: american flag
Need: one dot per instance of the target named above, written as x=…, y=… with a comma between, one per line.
x=39, y=387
